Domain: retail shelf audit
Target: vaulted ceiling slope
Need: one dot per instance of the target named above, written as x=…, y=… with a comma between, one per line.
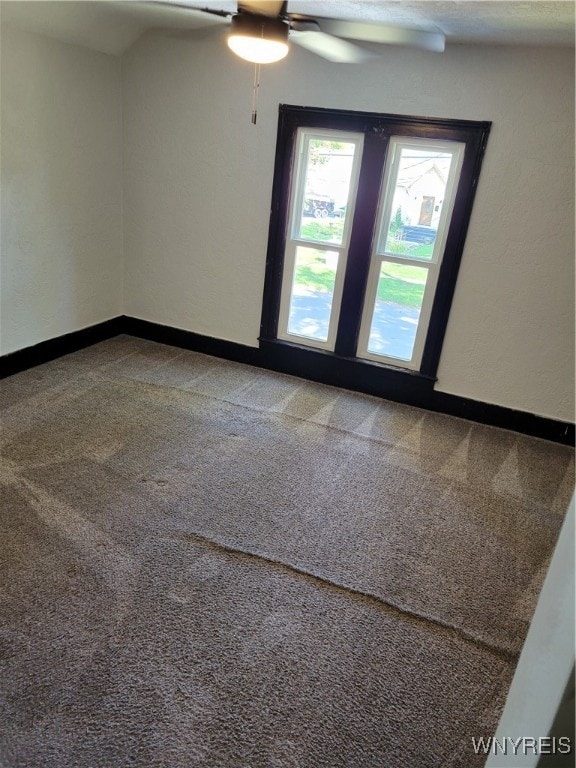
x=112, y=27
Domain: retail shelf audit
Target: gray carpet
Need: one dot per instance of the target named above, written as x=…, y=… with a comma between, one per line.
x=206, y=564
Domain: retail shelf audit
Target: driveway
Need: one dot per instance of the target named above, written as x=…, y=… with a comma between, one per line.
x=393, y=327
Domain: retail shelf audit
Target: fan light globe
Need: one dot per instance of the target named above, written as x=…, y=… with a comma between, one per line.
x=258, y=39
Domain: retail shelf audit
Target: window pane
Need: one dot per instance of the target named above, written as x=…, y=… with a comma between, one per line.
x=397, y=310
x=419, y=192
x=312, y=292
x=326, y=191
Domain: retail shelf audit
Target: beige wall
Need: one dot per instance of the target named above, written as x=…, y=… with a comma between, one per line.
x=198, y=179
x=61, y=226
x=197, y=184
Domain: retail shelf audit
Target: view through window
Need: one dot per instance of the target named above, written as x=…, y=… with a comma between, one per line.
x=371, y=208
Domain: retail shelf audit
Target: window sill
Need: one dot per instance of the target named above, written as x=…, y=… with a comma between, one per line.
x=367, y=376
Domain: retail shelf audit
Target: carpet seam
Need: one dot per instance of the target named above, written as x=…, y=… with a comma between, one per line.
x=469, y=637
x=499, y=651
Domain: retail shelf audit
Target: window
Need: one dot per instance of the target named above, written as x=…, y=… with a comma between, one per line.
x=369, y=218
x=408, y=248
x=316, y=251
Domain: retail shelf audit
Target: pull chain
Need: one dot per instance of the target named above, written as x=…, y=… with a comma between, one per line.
x=255, y=90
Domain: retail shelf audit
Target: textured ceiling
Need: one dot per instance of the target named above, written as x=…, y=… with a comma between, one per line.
x=111, y=26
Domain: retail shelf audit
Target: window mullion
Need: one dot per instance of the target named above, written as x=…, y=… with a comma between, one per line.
x=360, y=248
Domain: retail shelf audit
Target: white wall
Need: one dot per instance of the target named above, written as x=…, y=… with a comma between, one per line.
x=61, y=226
x=198, y=179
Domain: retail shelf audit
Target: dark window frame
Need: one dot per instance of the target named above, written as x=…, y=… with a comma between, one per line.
x=324, y=365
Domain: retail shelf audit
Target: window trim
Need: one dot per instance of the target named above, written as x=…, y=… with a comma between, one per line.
x=377, y=129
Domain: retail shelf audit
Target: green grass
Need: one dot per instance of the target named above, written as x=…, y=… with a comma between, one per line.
x=423, y=251
x=398, y=291
x=330, y=230
x=404, y=284
x=315, y=278
x=312, y=271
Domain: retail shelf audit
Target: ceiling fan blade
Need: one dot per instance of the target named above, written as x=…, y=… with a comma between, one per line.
x=263, y=7
x=175, y=6
x=331, y=48
x=380, y=33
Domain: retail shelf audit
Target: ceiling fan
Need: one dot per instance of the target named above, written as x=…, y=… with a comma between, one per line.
x=260, y=30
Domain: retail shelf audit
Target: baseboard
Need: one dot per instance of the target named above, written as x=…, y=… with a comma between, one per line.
x=22, y=359
x=208, y=345
x=419, y=395
x=506, y=418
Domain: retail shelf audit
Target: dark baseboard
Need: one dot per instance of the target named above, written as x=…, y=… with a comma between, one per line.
x=176, y=337
x=22, y=359
x=410, y=389
x=506, y=418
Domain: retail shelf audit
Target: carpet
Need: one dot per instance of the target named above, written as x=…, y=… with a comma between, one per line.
x=207, y=564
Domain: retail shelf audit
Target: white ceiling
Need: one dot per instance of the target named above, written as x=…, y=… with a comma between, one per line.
x=111, y=26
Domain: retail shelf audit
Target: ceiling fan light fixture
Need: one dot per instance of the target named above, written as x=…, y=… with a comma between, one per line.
x=258, y=39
